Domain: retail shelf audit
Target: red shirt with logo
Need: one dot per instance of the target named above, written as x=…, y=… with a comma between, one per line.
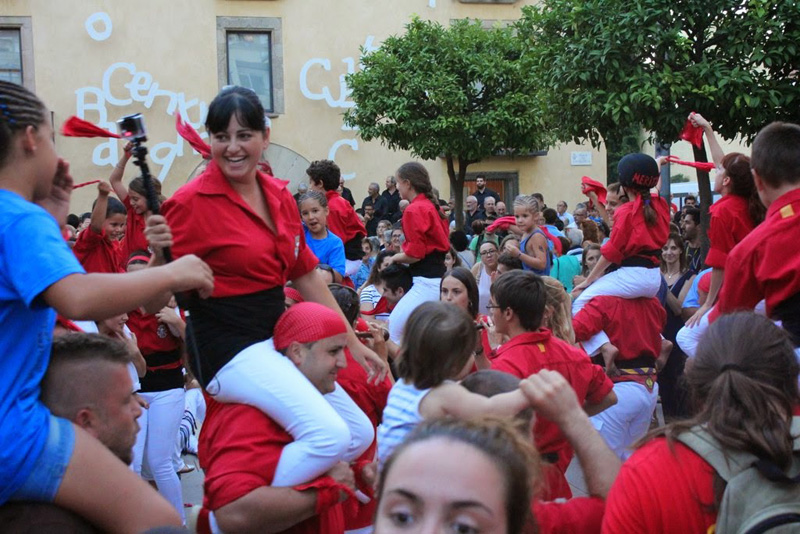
x=766, y=264
x=529, y=353
x=210, y=219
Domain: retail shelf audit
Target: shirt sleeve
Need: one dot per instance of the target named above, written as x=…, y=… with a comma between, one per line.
x=36, y=255
x=599, y=383
x=337, y=257
x=88, y=241
x=741, y=289
x=721, y=240
x=414, y=228
x=589, y=320
x=614, y=249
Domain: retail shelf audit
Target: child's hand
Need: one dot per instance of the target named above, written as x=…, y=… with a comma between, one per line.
x=191, y=273
x=57, y=203
x=577, y=290
x=168, y=316
x=103, y=189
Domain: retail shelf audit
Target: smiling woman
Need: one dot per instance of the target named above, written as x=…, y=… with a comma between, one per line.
x=458, y=476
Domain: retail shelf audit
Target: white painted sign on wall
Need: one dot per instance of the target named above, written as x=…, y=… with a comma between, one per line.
x=580, y=158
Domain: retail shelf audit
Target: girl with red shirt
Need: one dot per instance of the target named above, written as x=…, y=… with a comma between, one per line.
x=745, y=402
x=732, y=217
x=641, y=228
x=426, y=242
x=245, y=224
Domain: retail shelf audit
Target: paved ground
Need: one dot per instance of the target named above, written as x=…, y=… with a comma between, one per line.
x=192, y=482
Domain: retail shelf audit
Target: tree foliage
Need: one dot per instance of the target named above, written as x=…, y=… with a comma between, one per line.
x=608, y=64
x=462, y=92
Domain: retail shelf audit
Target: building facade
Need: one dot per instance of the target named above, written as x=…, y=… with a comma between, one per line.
x=103, y=59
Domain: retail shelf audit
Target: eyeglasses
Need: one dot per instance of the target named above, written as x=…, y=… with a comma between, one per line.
x=493, y=307
x=488, y=253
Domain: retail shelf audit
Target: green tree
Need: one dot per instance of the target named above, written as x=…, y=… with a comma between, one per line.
x=462, y=93
x=608, y=64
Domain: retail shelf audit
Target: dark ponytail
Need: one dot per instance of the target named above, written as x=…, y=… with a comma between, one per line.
x=743, y=384
x=416, y=174
x=19, y=108
x=737, y=168
x=650, y=215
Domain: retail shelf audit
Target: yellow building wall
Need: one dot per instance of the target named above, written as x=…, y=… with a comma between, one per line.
x=106, y=59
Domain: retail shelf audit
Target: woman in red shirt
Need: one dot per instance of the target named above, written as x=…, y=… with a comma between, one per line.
x=427, y=241
x=245, y=224
x=732, y=217
x=745, y=402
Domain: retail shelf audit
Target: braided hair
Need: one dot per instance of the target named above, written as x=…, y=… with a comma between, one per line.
x=417, y=175
x=19, y=108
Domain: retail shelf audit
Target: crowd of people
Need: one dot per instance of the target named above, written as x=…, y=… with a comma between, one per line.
x=380, y=369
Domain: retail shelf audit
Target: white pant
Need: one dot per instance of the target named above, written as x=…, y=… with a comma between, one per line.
x=324, y=432
x=625, y=282
x=423, y=290
x=628, y=420
x=689, y=338
x=155, y=444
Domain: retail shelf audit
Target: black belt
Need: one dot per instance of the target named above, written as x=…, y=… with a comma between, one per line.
x=647, y=258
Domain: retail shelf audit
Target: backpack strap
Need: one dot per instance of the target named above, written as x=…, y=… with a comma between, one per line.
x=728, y=464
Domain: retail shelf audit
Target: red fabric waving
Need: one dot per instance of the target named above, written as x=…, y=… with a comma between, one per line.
x=77, y=127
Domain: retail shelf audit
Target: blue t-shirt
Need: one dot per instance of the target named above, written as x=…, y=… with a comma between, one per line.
x=33, y=256
x=329, y=250
x=692, y=299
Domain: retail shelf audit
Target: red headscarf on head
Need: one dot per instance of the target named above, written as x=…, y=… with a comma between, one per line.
x=588, y=185
x=307, y=322
x=692, y=133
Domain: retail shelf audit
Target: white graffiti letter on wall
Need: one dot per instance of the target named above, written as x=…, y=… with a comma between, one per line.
x=352, y=143
x=140, y=88
x=91, y=26
x=326, y=93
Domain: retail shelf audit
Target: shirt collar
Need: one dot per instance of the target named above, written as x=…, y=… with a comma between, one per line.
x=784, y=200
x=213, y=182
x=542, y=335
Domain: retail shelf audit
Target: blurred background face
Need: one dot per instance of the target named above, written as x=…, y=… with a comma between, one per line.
x=454, y=292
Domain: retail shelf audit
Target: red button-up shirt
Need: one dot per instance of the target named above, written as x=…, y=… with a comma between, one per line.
x=342, y=218
x=210, y=219
x=97, y=253
x=632, y=236
x=766, y=264
x=730, y=223
x=425, y=231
